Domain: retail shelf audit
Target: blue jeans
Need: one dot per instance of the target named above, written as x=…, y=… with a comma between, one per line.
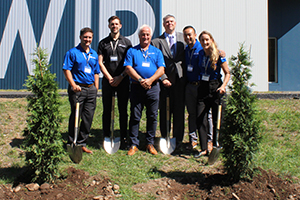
x=139, y=97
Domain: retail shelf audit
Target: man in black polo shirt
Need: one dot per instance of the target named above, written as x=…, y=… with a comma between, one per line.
x=111, y=53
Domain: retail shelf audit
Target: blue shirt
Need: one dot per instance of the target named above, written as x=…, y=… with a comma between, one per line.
x=192, y=62
x=82, y=65
x=145, y=63
x=205, y=67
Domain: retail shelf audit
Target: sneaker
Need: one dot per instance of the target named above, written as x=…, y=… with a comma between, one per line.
x=201, y=153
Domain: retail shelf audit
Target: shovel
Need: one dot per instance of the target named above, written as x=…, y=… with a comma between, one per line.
x=214, y=155
x=167, y=145
x=110, y=144
x=74, y=150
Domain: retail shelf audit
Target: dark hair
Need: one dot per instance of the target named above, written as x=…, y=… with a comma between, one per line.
x=85, y=30
x=189, y=26
x=113, y=18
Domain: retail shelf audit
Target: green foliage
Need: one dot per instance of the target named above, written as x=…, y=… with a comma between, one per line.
x=241, y=126
x=43, y=142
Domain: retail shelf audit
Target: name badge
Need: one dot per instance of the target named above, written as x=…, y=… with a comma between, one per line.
x=190, y=68
x=113, y=58
x=145, y=64
x=87, y=70
x=205, y=78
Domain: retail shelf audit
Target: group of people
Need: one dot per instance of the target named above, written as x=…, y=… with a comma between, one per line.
x=174, y=65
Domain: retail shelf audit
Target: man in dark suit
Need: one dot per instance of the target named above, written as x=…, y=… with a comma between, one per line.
x=172, y=45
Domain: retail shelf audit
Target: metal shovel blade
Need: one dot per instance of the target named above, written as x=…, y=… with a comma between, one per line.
x=167, y=145
x=214, y=155
x=74, y=150
x=111, y=146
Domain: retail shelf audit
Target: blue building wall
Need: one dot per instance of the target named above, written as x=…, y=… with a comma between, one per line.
x=284, y=24
x=17, y=69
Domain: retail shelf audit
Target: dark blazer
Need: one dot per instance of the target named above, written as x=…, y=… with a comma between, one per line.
x=175, y=66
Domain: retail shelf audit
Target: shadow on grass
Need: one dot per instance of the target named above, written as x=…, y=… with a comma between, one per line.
x=205, y=181
x=15, y=175
x=16, y=142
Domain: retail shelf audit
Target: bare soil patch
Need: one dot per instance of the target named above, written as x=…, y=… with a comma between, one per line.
x=79, y=185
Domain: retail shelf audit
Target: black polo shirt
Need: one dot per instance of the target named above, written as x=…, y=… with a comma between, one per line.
x=105, y=48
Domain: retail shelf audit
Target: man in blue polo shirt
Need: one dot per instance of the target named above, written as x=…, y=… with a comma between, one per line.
x=81, y=69
x=193, y=77
x=145, y=65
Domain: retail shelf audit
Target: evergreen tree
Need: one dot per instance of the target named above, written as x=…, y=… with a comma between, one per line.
x=43, y=143
x=240, y=127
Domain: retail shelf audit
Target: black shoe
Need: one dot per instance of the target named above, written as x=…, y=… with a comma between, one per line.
x=124, y=144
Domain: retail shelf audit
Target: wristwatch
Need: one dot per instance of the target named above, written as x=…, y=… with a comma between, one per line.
x=140, y=79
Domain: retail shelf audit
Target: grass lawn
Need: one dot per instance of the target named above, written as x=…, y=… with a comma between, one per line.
x=279, y=148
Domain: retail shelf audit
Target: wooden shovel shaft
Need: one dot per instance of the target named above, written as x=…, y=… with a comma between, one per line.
x=219, y=117
x=112, y=117
x=218, y=125
x=76, y=122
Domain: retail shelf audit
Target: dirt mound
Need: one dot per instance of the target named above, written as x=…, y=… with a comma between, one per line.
x=79, y=185
x=267, y=185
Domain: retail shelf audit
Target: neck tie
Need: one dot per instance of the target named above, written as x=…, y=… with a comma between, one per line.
x=172, y=46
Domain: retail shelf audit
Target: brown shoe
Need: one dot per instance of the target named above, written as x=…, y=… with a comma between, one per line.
x=84, y=149
x=209, y=146
x=132, y=150
x=194, y=144
x=150, y=148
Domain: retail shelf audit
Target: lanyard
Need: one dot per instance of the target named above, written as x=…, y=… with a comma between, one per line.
x=191, y=56
x=145, y=56
x=87, y=59
x=114, y=47
x=204, y=60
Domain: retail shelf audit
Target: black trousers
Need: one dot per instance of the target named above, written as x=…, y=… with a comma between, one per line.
x=87, y=99
x=208, y=98
x=122, y=94
x=177, y=105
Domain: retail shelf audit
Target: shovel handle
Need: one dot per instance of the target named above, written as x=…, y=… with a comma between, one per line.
x=168, y=117
x=112, y=116
x=76, y=119
x=219, y=117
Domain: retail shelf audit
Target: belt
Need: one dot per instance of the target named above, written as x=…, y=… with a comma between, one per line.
x=85, y=85
x=194, y=82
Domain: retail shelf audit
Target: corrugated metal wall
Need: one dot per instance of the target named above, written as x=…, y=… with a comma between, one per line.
x=284, y=21
x=231, y=22
x=55, y=25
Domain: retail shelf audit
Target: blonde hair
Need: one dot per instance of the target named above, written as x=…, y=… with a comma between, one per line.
x=214, y=56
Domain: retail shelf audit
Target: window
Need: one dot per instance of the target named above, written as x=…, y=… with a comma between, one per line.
x=273, y=67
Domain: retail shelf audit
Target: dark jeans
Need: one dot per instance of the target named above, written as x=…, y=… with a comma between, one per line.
x=139, y=97
x=122, y=94
x=208, y=98
x=87, y=99
x=177, y=96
